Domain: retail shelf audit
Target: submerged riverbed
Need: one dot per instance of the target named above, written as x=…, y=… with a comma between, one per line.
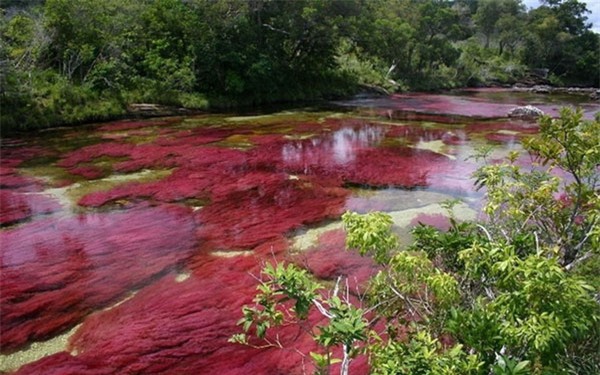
x=130, y=247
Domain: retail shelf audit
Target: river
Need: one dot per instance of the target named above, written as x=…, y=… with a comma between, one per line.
x=130, y=247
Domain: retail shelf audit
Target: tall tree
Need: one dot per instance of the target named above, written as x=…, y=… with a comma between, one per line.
x=559, y=38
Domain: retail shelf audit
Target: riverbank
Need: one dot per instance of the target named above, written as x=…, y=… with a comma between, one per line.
x=104, y=113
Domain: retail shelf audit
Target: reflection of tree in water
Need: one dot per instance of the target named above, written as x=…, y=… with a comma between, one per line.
x=338, y=147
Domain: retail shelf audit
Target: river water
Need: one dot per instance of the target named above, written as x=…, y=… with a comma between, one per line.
x=130, y=247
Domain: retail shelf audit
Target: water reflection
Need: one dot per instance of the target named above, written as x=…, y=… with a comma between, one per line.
x=339, y=147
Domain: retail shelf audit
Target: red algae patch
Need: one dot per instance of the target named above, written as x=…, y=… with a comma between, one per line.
x=502, y=137
x=329, y=260
x=19, y=195
x=19, y=206
x=406, y=167
x=200, y=171
x=55, y=272
x=174, y=327
x=356, y=156
x=15, y=152
x=88, y=154
x=439, y=221
x=89, y=172
x=13, y=155
x=11, y=179
x=262, y=206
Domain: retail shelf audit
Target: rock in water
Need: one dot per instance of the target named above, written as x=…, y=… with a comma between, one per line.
x=526, y=112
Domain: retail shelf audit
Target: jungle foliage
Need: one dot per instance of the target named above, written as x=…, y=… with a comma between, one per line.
x=514, y=293
x=66, y=61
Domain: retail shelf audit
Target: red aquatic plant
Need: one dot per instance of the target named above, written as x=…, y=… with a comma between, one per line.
x=353, y=155
x=88, y=154
x=439, y=221
x=262, y=206
x=56, y=271
x=201, y=171
x=15, y=152
x=444, y=107
x=178, y=327
x=502, y=137
x=250, y=201
x=173, y=327
x=329, y=260
x=197, y=137
x=400, y=166
x=19, y=206
x=11, y=179
x=20, y=196
x=89, y=172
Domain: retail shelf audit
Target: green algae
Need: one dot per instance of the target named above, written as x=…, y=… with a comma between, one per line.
x=308, y=238
x=508, y=132
x=300, y=137
x=105, y=163
x=141, y=139
x=287, y=117
x=437, y=146
x=202, y=121
x=72, y=141
x=236, y=141
x=50, y=174
x=403, y=218
x=273, y=118
x=264, y=119
x=274, y=129
x=396, y=142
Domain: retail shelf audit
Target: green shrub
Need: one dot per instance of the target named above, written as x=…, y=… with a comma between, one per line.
x=507, y=292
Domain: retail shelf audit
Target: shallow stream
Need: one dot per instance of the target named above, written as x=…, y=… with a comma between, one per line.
x=130, y=247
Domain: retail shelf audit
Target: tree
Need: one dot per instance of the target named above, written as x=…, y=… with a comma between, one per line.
x=415, y=41
x=496, y=17
x=570, y=14
x=538, y=207
x=559, y=40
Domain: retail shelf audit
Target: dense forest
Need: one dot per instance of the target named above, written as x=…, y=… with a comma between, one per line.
x=66, y=61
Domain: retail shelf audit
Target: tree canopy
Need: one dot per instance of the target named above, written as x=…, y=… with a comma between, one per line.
x=66, y=61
